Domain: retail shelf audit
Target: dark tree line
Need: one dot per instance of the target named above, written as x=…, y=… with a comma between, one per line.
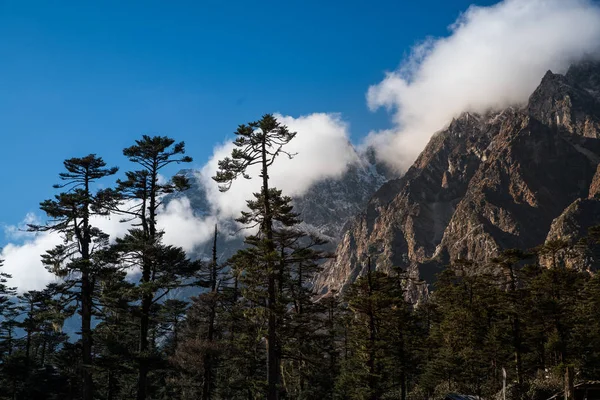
x=256, y=329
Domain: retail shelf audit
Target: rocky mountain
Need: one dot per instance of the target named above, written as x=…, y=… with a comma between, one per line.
x=508, y=179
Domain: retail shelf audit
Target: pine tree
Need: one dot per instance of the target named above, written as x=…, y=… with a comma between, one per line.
x=70, y=214
x=243, y=356
x=44, y=312
x=259, y=143
x=510, y=263
x=374, y=301
x=556, y=293
x=302, y=325
x=212, y=300
x=587, y=331
x=116, y=338
x=8, y=314
x=199, y=346
x=469, y=331
x=163, y=268
x=331, y=344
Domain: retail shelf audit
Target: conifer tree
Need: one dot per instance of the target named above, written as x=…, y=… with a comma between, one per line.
x=374, y=302
x=259, y=143
x=44, y=313
x=163, y=268
x=8, y=314
x=469, y=331
x=200, y=345
x=556, y=293
x=210, y=357
x=302, y=322
x=241, y=372
x=116, y=337
x=509, y=264
x=70, y=214
x=588, y=329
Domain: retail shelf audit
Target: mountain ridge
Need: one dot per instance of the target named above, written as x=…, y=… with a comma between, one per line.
x=484, y=183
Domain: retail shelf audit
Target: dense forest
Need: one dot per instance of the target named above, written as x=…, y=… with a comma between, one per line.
x=257, y=330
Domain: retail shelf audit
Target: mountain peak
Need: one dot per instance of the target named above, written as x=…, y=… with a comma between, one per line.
x=567, y=102
x=485, y=183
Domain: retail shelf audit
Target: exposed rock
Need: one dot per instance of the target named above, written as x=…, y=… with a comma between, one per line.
x=560, y=102
x=595, y=185
x=485, y=183
x=570, y=227
x=575, y=220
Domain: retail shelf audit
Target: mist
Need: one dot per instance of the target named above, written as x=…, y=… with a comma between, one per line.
x=493, y=57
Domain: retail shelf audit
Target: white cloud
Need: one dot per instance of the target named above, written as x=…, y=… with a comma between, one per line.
x=22, y=257
x=23, y=261
x=323, y=151
x=18, y=232
x=494, y=57
x=182, y=227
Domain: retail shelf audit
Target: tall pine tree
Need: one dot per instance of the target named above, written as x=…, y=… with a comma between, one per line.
x=163, y=268
x=70, y=214
x=260, y=143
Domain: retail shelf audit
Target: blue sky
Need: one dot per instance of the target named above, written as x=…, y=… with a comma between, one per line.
x=82, y=77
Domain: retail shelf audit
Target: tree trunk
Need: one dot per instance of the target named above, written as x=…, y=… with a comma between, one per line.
x=516, y=325
x=86, y=336
x=143, y=368
x=371, y=359
x=403, y=368
x=569, y=387
x=207, y=387
x=150, y=232
x=87, y=292
x=403, y=385
x=110, y=383
x=273, y=357
x=43, y=356
x=28, y=342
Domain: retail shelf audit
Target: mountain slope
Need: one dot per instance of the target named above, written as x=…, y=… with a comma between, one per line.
x=485, y=183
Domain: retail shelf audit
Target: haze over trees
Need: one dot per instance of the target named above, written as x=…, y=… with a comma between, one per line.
x=256, y=329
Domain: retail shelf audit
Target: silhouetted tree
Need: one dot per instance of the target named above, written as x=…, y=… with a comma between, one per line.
x=70, y=215
x=259, y=143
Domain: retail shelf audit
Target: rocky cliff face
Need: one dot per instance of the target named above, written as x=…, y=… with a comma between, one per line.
x=485, y=183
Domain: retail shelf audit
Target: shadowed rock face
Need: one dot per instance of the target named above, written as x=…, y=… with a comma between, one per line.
x=485, y=183
x=571, y=226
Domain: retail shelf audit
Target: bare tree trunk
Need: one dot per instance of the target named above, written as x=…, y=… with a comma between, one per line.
x=207, y=387
x=86, y=336
x=142, y=386
x=273, y=356
x=149, y=226
x=371, y=360
x=569, y=387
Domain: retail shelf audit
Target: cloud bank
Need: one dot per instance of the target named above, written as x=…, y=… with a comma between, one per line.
x=324, y=151
x=493, y=57
x=22, y=257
